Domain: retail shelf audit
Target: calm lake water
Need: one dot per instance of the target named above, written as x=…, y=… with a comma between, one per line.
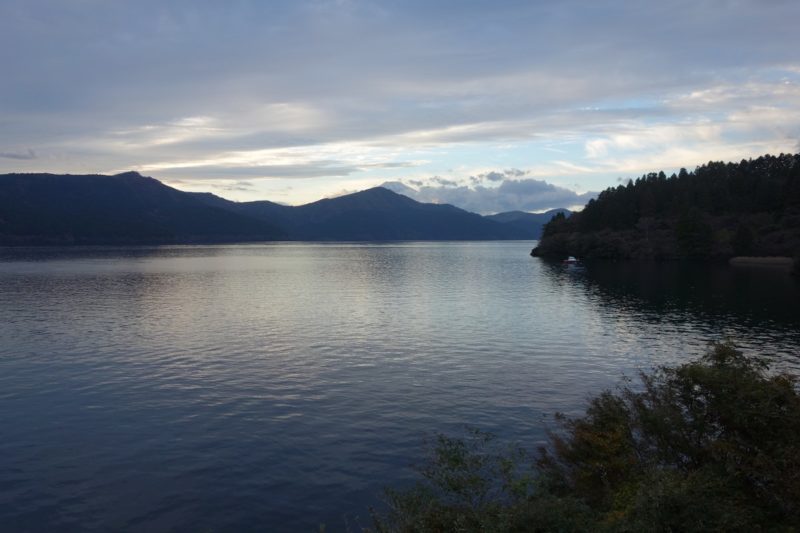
x=276, y=387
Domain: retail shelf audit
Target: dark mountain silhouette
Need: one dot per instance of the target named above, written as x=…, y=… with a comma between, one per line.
x=131, y=209
x=528, y=224
x=750, y=208
x=374, y=214
x=125, y=208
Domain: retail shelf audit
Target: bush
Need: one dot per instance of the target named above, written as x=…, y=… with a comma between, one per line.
x=743, y=240
x=708, y=445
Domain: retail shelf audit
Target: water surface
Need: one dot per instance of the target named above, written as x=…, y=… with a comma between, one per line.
x=274, y=387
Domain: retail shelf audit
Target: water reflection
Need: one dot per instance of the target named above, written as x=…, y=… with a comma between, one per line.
x=279, y=386
x=745, y=305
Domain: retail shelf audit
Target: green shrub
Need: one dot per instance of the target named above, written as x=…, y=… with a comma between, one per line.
x=707, y=445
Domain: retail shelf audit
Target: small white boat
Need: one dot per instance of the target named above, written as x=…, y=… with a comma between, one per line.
x=571, y=260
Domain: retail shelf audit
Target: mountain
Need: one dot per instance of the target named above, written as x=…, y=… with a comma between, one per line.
x=132, y=209
x=122, y=209
x=750, y=208
x=376, y=214
x=529, y=225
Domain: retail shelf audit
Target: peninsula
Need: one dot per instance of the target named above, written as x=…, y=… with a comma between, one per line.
x=718, y=211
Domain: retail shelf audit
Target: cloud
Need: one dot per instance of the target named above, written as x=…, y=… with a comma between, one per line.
x=216, y=172
x=496, y=177
x=195, y=89
x=443, y=182
x=511, y=194
x=329, y=160
x=401, y=188
x=236, y=186
x=21, y=156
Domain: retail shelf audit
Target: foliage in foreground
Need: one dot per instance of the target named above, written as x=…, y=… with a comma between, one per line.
x=709, y=445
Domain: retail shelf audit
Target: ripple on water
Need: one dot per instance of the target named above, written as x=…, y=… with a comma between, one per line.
x=279, y=386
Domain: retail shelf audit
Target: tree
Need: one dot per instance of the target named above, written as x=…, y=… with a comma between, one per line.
x=694, y=235
x=697, y=212
x=707, y=445
x=743, y=240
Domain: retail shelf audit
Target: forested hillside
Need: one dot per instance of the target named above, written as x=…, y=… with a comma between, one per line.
x=720, y=210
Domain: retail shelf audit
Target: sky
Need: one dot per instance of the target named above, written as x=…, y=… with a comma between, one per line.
x=489, y=105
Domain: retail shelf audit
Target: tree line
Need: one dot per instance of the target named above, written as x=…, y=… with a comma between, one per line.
x=719, y=209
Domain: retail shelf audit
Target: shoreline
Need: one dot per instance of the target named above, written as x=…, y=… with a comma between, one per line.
x=772, y=262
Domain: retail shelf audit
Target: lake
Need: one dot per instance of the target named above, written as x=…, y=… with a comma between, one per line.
x=274, y=387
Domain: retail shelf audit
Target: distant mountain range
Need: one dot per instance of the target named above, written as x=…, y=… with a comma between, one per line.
x=132, y=209
x=529, y=224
